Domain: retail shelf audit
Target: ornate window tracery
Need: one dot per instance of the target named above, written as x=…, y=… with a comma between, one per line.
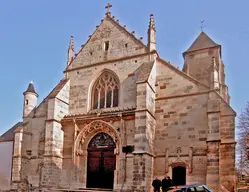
x=105, y=91
x=101, y=140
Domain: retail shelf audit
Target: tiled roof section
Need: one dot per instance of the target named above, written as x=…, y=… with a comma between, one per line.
x=30, y=88
x=9, y=135
x=144, y=71
x=203, y=41
x=57, y=89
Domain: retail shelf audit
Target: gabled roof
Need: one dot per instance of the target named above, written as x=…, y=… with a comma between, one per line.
x=203, y=41
x=144, y=71
x=9, y=135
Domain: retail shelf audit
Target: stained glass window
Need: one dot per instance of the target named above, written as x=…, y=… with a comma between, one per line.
x=106, y=91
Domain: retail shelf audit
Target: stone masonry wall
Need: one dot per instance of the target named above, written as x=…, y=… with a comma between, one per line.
x=181, y=107
x=199, y=63
x=120, y=45
x=82, y=81
x=57, y=109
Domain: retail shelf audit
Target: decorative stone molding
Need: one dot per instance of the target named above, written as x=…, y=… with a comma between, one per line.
x=91, y=129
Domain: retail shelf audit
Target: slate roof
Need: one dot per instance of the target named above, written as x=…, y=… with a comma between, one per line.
x=30, y=88
x=57, y=89
x=203, y=41
x=9, y=135
x=144, y=71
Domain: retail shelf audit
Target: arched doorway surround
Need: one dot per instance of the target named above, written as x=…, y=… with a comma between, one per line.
x=84, y=138
x=101, y=162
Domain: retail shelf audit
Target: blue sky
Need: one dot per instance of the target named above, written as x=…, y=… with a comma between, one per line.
x=34, y=38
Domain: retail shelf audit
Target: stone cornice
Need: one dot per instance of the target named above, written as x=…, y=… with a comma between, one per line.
x=51, y=120
x=105, y=117
x=146, y=110
x=183, y=95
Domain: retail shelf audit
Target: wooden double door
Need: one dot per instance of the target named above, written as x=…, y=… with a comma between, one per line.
x=100, y=167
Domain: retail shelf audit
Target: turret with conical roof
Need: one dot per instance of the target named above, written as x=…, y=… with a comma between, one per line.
x=30, y=99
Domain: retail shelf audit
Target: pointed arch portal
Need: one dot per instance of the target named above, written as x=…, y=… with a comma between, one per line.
x=101, y=161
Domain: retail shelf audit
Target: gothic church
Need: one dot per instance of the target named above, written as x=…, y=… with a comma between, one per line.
x=122, y=116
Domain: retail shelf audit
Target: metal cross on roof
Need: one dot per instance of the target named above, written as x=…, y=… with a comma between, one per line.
x=202, y=25
x=108, y=7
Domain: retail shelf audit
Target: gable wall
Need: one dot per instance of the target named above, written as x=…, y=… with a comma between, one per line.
x=94, y=50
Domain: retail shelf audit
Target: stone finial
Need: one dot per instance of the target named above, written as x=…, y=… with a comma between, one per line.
x=117, y=20
x=141, y=38
x=108, y=7
x=133, y=32
x=97, y=26
x=152, y=22
x=152, y=34
x=71, y=43
x=125, y=26
x=70, y=50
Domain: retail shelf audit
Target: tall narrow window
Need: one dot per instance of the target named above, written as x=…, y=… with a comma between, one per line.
x=106, y=45
x=105, y=91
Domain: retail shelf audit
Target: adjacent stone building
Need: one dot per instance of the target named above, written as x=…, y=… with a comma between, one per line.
x=122, y=116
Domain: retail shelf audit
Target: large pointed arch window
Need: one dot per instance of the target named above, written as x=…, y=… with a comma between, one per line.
x=105, y=91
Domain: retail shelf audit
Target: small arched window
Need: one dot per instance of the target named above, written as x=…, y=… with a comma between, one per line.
x=105, y=91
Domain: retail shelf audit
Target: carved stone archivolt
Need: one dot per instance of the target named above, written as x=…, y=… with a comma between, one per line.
x=89, y=131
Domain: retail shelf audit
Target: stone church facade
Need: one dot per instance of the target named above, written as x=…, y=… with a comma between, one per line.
x=122, y=116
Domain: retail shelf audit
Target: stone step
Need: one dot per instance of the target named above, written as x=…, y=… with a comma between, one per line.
x=86, y=190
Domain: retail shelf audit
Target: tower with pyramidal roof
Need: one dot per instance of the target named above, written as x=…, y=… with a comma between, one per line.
x=122, y=116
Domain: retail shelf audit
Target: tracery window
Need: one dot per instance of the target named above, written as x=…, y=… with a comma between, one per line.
x=105, y=91
x=101, y=140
